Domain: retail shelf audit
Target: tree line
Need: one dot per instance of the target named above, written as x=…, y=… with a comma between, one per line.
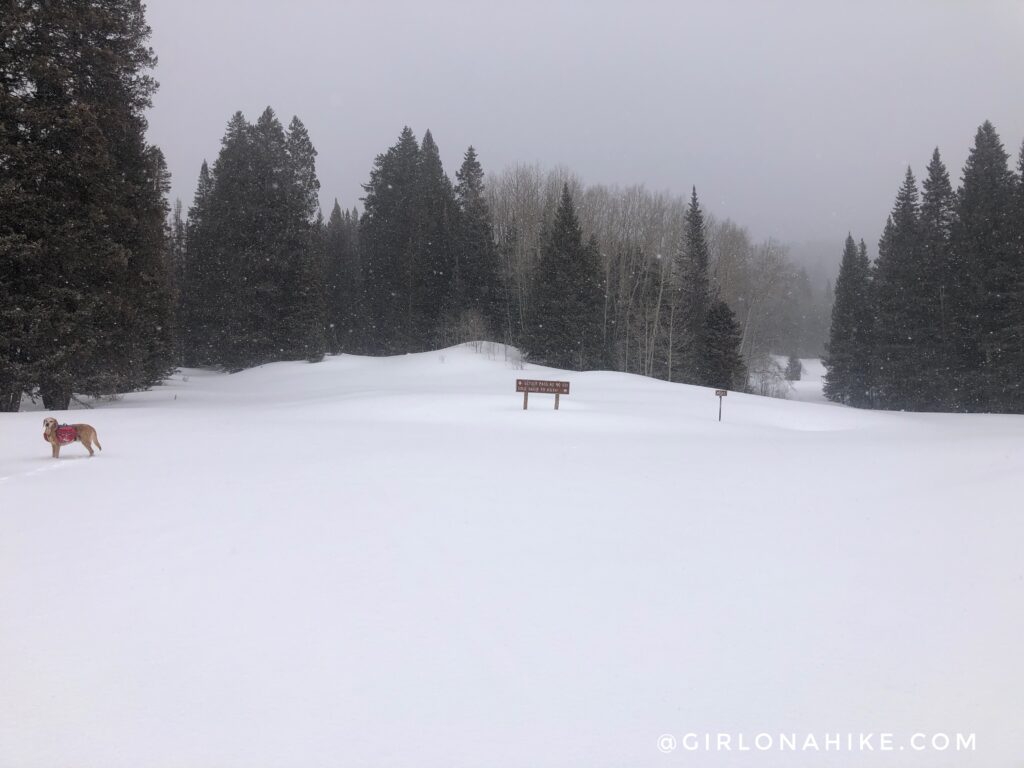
x=422, y=267
x=936, y=322
x=103, y=289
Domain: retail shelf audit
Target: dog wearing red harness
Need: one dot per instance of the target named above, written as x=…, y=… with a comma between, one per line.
x=58, y=435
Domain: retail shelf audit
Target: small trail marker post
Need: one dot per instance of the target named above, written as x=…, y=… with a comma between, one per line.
x=721, y=393
x=556, y=388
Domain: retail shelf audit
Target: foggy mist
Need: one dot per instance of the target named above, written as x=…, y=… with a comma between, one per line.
x=796, y=119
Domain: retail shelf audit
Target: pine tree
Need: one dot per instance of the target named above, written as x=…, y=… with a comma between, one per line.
x=177, y=245
x=434, y=268
x=199, y=303
x=936, y=287
x=1012, y=333
x=794, y=368
x=722, y=365
x=478, y=290
x=694, y=300
x=344, y=307
x=564, y=324
x=987, y=273
x=82, y=203
x=902, y=332
x=255, y=262
x=387, y=233
x=304, y=315
x=851, y=344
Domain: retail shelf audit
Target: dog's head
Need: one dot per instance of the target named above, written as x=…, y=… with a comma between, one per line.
x=49, y=424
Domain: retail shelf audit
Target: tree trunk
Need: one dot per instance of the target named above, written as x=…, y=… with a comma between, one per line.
x=10, y=399
x=56, y=397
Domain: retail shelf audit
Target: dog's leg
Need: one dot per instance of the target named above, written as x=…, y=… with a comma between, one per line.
x=88, y=445
x=56, y=448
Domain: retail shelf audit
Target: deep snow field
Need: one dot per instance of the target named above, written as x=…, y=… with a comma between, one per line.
x=386, y=562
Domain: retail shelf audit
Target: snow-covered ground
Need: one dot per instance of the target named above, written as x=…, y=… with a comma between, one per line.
x=386, y=562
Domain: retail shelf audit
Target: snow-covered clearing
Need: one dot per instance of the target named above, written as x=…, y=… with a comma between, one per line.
x=386, y=562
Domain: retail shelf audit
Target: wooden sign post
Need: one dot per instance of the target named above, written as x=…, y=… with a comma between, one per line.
x=556, y=388
x=721, y=393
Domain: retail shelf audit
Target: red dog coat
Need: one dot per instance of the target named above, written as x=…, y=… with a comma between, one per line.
x=64, y=434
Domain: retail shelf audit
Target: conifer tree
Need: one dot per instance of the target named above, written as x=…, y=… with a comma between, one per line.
x=722, y=366
x=565, y=320
x=82, y=205
x=1012, y=333
x=387, y=233
x=936, y=283
x=255, y=264
x=902, y=330
x=477, y=267
x=200, y=305
x=987, y=273
x=794, y=368
x=304, y=319
x=434, y=269
x=343, y=281
x=851, y=345
x=694, y=299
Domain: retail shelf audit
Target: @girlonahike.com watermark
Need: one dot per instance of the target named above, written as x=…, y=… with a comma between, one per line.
x=816, y=742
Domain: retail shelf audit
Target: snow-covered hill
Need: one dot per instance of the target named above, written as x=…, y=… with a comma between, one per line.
x=386, y=562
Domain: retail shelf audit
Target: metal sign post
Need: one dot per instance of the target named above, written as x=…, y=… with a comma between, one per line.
x=720, y=393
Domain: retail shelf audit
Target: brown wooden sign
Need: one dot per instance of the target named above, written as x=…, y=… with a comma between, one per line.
x=541, y=386
x=721, y=392
x=544, y=387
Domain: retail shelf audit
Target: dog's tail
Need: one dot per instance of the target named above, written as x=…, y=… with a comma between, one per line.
x=96, y=439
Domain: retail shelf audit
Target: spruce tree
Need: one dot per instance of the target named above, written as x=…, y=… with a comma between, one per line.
x=304, y=315
x=344, y=307
x=255, y=264
x=1012, y=333
x=722, y=366
x=563, y=329
x=936, y=283
x=850, y=354
x=200, y=305
x=694, y=300
x=794, y=368
x=902, y=331
x=82, y=204
x=988, y=274
x=478, y=289
x=434, y=268
x=387, y=235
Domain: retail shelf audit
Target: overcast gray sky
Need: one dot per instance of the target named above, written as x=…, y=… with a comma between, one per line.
x=795, y=119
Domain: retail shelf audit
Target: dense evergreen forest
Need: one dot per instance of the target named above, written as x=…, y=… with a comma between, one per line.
x=936, y=323
x=104, y=288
